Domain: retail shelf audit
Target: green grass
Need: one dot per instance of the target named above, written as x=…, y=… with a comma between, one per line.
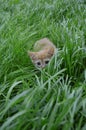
x=49, y=99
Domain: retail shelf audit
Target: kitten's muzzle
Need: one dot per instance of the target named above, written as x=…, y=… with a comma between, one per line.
x=43, y=66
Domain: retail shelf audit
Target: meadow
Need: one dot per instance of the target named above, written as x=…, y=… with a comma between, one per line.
x=53, y=98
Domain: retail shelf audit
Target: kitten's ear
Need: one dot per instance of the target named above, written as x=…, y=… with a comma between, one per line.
x=32, y=55
x=50, y=52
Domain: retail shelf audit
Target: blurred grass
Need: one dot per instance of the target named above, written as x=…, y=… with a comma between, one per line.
x=49, y=99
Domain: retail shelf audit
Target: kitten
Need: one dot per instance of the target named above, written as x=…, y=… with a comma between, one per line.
x=45, y=49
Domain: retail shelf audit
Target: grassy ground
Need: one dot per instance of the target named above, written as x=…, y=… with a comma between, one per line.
x=53, y=98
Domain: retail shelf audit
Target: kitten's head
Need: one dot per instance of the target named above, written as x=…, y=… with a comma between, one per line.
x=41, y=59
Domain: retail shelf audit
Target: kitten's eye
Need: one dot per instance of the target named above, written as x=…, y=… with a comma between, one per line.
x=38, y=63
x=47, y=61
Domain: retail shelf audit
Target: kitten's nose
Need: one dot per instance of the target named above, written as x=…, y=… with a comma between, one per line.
x=43, y=66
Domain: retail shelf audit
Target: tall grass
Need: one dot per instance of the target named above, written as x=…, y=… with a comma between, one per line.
x=53, y=98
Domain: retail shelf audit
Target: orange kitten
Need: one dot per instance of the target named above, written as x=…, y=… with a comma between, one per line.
x=45, y=49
